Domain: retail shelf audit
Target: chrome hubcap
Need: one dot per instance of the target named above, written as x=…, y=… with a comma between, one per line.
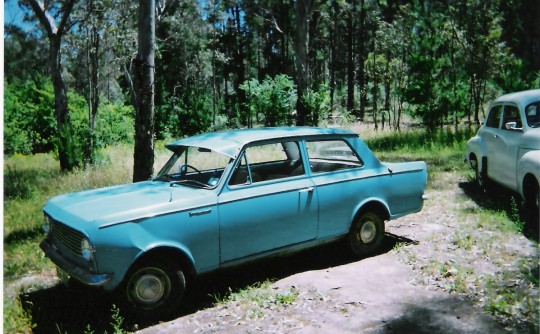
x=368, y=232
x=149, y=288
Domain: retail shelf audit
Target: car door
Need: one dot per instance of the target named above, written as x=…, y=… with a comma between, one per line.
x=269, y=203
x=490, y=134
x=506, y=148
x=341, y=181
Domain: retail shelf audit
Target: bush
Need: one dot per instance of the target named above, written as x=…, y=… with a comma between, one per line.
x=30, y=123
x=273, y=98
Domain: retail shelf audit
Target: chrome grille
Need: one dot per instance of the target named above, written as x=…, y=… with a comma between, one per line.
x=67, y=236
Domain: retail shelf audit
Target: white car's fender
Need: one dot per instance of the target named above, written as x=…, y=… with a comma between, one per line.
x=528, y=164
x=476, y=146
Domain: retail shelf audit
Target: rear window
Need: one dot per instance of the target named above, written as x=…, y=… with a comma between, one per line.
x=331, y=155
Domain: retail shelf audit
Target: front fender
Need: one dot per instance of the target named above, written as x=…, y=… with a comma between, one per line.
x=476, y=147
x=117, y=255
x=529, y=163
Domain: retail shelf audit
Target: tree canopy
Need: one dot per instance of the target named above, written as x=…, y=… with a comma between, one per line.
x=244, y=63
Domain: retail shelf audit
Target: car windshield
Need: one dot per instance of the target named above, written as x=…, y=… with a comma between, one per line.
x=532, y=111
x=194, y=167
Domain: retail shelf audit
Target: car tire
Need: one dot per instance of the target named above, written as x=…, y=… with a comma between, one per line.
x=531, y=192
x=154, y=288
x=480, y=175
x=366, y=234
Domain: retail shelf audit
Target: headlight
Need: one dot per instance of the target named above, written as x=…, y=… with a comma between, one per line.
x=86, y=249
x=47, y=225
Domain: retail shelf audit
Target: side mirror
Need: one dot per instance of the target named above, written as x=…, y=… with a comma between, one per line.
x=512, y=126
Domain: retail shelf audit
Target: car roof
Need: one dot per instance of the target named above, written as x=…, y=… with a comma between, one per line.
x=231, y=142
x=523, y=98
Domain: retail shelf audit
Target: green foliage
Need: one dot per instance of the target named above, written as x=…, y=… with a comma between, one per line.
x=178, y=117
x=114, y=124
x=29, y=122
x=318, y=104
x=117, y=321
x=273, y=99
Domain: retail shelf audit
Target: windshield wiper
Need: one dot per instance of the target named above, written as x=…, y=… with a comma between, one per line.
x=193, y=182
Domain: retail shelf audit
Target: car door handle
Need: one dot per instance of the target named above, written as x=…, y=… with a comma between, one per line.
x=200, y=213
x=307, y=190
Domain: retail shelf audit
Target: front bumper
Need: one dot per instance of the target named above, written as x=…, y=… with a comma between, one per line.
x=72, y=270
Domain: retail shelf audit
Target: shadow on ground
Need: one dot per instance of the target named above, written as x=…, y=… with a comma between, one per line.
x=497, y=198
x=59, y=309
x=441, y=316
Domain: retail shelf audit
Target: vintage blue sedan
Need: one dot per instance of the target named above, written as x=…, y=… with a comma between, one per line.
x=224, y=199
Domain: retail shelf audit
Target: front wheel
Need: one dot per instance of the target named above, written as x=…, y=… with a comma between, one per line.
x=366, y=234
x=154, y=289
x=479, y=174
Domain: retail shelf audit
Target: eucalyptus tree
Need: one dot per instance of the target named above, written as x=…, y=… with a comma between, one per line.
x=93, y=59
x=143, y=159
x=47, y=13
x=303, y=12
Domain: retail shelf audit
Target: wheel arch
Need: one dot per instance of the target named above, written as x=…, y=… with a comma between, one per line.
x=530, y=183
x=170, y=253
x=373, y=205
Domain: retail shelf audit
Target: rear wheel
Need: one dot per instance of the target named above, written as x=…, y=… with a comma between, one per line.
x=366, y=234
x=154, y=288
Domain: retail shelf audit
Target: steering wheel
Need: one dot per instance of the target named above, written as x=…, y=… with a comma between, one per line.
x=183, y=169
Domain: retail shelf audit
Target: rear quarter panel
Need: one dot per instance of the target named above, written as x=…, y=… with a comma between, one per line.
x=398, y=187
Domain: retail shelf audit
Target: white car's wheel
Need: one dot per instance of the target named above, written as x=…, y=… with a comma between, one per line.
x=480, y=175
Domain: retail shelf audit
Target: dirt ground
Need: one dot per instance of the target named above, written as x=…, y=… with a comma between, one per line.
x=429, y=277
x=386, y=293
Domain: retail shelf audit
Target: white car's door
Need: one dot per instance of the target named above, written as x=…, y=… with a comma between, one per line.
x=490, y=134
x=506, y=151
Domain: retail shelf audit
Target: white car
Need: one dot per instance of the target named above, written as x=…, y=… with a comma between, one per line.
x=506, y=149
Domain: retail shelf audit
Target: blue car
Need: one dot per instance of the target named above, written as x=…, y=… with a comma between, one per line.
x=224, y=199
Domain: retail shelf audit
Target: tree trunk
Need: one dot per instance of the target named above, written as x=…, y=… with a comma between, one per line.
x=143, y=164
x=66, y=147
x=362, y=80
x=350, y=58
x=303, y=14
x=66, y=151
x=93, y=40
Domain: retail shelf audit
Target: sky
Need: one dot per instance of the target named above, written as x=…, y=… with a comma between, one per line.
x=14, y=15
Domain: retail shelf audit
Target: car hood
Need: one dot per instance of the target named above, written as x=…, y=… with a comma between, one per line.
x=107, y=206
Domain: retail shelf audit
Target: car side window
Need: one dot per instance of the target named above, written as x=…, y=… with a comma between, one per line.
x=532, y=112
x=494, y=117
x=331, y=155
x=511, y=114
x=267, y=162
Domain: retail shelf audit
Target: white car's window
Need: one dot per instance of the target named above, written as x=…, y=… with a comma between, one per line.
x=331, y=155
x=268, y=162
x=532, y=112
x=511, y=114
x=494, y=117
